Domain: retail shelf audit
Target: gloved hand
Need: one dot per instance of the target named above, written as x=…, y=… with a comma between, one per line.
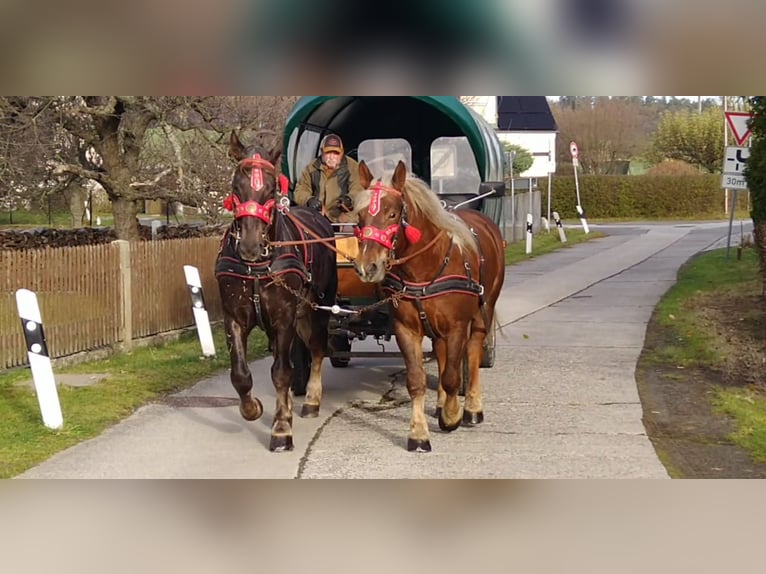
x=314, y=203
x=346, y=203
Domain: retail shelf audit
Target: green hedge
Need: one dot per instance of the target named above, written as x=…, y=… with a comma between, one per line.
x=651, y=197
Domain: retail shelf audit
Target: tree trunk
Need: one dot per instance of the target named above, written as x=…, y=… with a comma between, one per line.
x=125, y=219
x=759, y=238
x=77, y=196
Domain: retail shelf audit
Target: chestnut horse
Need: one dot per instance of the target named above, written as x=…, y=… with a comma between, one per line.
x=274, y=287
x=445, y=271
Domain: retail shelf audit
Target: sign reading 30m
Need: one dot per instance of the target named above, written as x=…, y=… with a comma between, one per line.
x=735, y=160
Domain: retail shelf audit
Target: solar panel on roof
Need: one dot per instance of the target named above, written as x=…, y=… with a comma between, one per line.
x=525, y=113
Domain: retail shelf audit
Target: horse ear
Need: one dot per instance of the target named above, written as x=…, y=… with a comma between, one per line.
x=236, y=150
x=275, y=154
x=400, y=176
x=365, y=175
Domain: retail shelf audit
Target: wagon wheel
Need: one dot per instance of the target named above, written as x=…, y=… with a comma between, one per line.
x=301, y=359
x=488, y=358
x=342, y=344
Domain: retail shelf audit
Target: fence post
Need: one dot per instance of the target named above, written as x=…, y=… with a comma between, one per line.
x=126, y=286
x=204, y=331
x=39, y=359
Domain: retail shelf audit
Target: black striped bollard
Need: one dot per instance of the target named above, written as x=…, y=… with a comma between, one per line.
x=560, y=226
x=201, y=318
x=530, y=234
x=39, y=359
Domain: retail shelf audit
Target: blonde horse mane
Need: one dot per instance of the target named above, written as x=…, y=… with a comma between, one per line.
x=424, y=202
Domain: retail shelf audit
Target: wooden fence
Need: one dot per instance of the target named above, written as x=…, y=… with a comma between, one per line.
x=103, y=296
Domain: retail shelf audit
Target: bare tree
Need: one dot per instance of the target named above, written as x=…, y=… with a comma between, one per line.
x=606, y=131
x=135, y=147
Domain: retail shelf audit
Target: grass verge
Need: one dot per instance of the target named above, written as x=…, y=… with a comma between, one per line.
x=714, y=332
x=131, y=381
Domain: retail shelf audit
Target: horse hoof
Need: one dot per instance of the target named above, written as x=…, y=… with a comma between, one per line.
x=448, y=428
x=310, y=411
x=251, y=410
x=419, y=446
x=473, y=419
x=281, y=443
x=438, y=413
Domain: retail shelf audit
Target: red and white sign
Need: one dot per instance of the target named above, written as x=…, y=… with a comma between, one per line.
x=575, y=150
x=738, y=123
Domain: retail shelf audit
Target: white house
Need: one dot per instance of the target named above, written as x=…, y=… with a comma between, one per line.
x=526, y=121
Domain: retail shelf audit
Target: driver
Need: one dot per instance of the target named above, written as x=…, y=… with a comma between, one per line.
x=331, y=182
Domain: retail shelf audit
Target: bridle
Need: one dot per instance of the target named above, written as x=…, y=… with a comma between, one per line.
x=389, y=236
x=263, y=211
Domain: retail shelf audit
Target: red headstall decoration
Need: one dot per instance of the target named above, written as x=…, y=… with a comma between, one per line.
x=256, y=176
x=384, y=238
x=412, y=234
x=249, y=208
x=375, y=200
x=284, y=184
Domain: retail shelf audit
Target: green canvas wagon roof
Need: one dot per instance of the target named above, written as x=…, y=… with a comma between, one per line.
x=418, y=119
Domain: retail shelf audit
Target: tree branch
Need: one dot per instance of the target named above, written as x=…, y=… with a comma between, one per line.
x=61, y=169
x=153, y=182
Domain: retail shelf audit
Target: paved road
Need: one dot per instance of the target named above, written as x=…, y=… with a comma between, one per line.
x=561, y=401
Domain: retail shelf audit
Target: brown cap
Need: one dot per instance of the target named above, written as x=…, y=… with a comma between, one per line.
x=332, y=143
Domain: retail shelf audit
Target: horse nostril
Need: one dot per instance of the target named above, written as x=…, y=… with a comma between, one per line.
x=373, y=269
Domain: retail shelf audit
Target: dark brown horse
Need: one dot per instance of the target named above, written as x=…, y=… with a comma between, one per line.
x=446, y=270
x=274, y=287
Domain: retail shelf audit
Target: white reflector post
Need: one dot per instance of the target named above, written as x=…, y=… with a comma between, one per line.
x=560, y=226
x=200, y=310
x=39, y=359
x=530, y=233
x=583, y=220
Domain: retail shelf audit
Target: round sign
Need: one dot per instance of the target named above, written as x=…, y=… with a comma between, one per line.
x=575, y=151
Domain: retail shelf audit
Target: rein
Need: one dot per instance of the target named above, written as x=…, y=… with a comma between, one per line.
x=391, y=263
x=327, y=242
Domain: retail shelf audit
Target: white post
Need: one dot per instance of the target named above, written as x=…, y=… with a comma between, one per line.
x=200, y=311
x=550, y=187
x=562, y=233
x=725, y=145
x=530, y=234
x=580, y=210
x=575, y=151
x=513, y=198
x=39, y=359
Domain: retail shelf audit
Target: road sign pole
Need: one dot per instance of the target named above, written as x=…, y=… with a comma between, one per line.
x=731, y=221
x=575, y=151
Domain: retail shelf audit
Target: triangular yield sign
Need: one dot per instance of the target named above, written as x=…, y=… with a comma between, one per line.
x=738, y=124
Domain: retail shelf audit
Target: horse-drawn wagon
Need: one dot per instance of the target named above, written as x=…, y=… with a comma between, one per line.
x=411, y=266
x=439, y=140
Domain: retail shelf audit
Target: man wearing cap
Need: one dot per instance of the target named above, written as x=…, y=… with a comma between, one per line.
x=331, y=182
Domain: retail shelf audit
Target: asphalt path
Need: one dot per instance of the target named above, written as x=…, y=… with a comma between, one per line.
x=561, y=401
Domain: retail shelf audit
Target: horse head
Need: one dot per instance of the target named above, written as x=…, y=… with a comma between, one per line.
x=382, y=214
x=254, y=197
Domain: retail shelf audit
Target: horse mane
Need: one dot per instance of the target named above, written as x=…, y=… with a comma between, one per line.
x=424, y=202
